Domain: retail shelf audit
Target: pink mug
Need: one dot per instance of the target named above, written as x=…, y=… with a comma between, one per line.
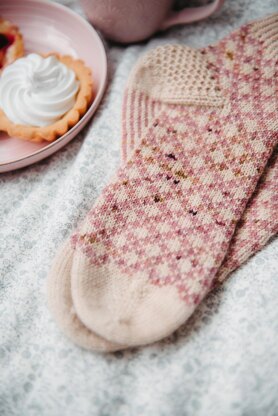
x=128, y=21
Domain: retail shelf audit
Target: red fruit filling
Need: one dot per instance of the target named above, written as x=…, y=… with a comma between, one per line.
x=6, y=40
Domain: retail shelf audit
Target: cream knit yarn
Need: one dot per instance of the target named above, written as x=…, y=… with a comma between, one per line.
x=61, y=305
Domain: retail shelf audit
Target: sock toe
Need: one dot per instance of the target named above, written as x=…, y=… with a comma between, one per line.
x=61, y=306
x=124, y=309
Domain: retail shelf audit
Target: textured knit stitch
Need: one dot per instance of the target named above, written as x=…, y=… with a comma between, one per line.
x=167, y=219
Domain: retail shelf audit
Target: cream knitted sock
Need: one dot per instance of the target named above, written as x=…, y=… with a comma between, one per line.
x=255, y=228
x=208, y=146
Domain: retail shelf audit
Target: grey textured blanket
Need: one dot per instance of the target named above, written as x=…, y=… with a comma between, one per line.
x=223, y=362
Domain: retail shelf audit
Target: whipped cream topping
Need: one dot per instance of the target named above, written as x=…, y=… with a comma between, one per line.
x=37, y=91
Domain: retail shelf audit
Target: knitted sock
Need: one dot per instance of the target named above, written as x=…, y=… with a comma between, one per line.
x=177, y=201
x=260, y=227
x=259, y=222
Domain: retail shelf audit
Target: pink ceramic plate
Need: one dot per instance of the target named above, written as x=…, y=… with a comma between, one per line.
x=50, y=27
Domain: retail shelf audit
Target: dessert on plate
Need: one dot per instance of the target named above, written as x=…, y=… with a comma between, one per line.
x=11, y=43
x=43, y=96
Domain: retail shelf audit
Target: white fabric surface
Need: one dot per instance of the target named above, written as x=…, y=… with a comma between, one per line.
x=223, y=362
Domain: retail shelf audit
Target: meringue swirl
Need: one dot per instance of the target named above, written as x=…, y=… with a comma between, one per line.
x=37, y=91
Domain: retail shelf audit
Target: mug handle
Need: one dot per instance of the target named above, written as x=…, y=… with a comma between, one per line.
x=192, y=14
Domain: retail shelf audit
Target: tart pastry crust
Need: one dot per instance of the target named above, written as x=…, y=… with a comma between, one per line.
x=11, y=43
x=60, y=127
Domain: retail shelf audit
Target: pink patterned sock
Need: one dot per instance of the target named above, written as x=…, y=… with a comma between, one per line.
x=259, y=221
x=150, y=249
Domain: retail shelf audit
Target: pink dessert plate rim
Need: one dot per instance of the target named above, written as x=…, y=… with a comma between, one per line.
x=56, y=145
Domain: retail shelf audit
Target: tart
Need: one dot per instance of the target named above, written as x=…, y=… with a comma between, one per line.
x=11, y=43
x=43, y=96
